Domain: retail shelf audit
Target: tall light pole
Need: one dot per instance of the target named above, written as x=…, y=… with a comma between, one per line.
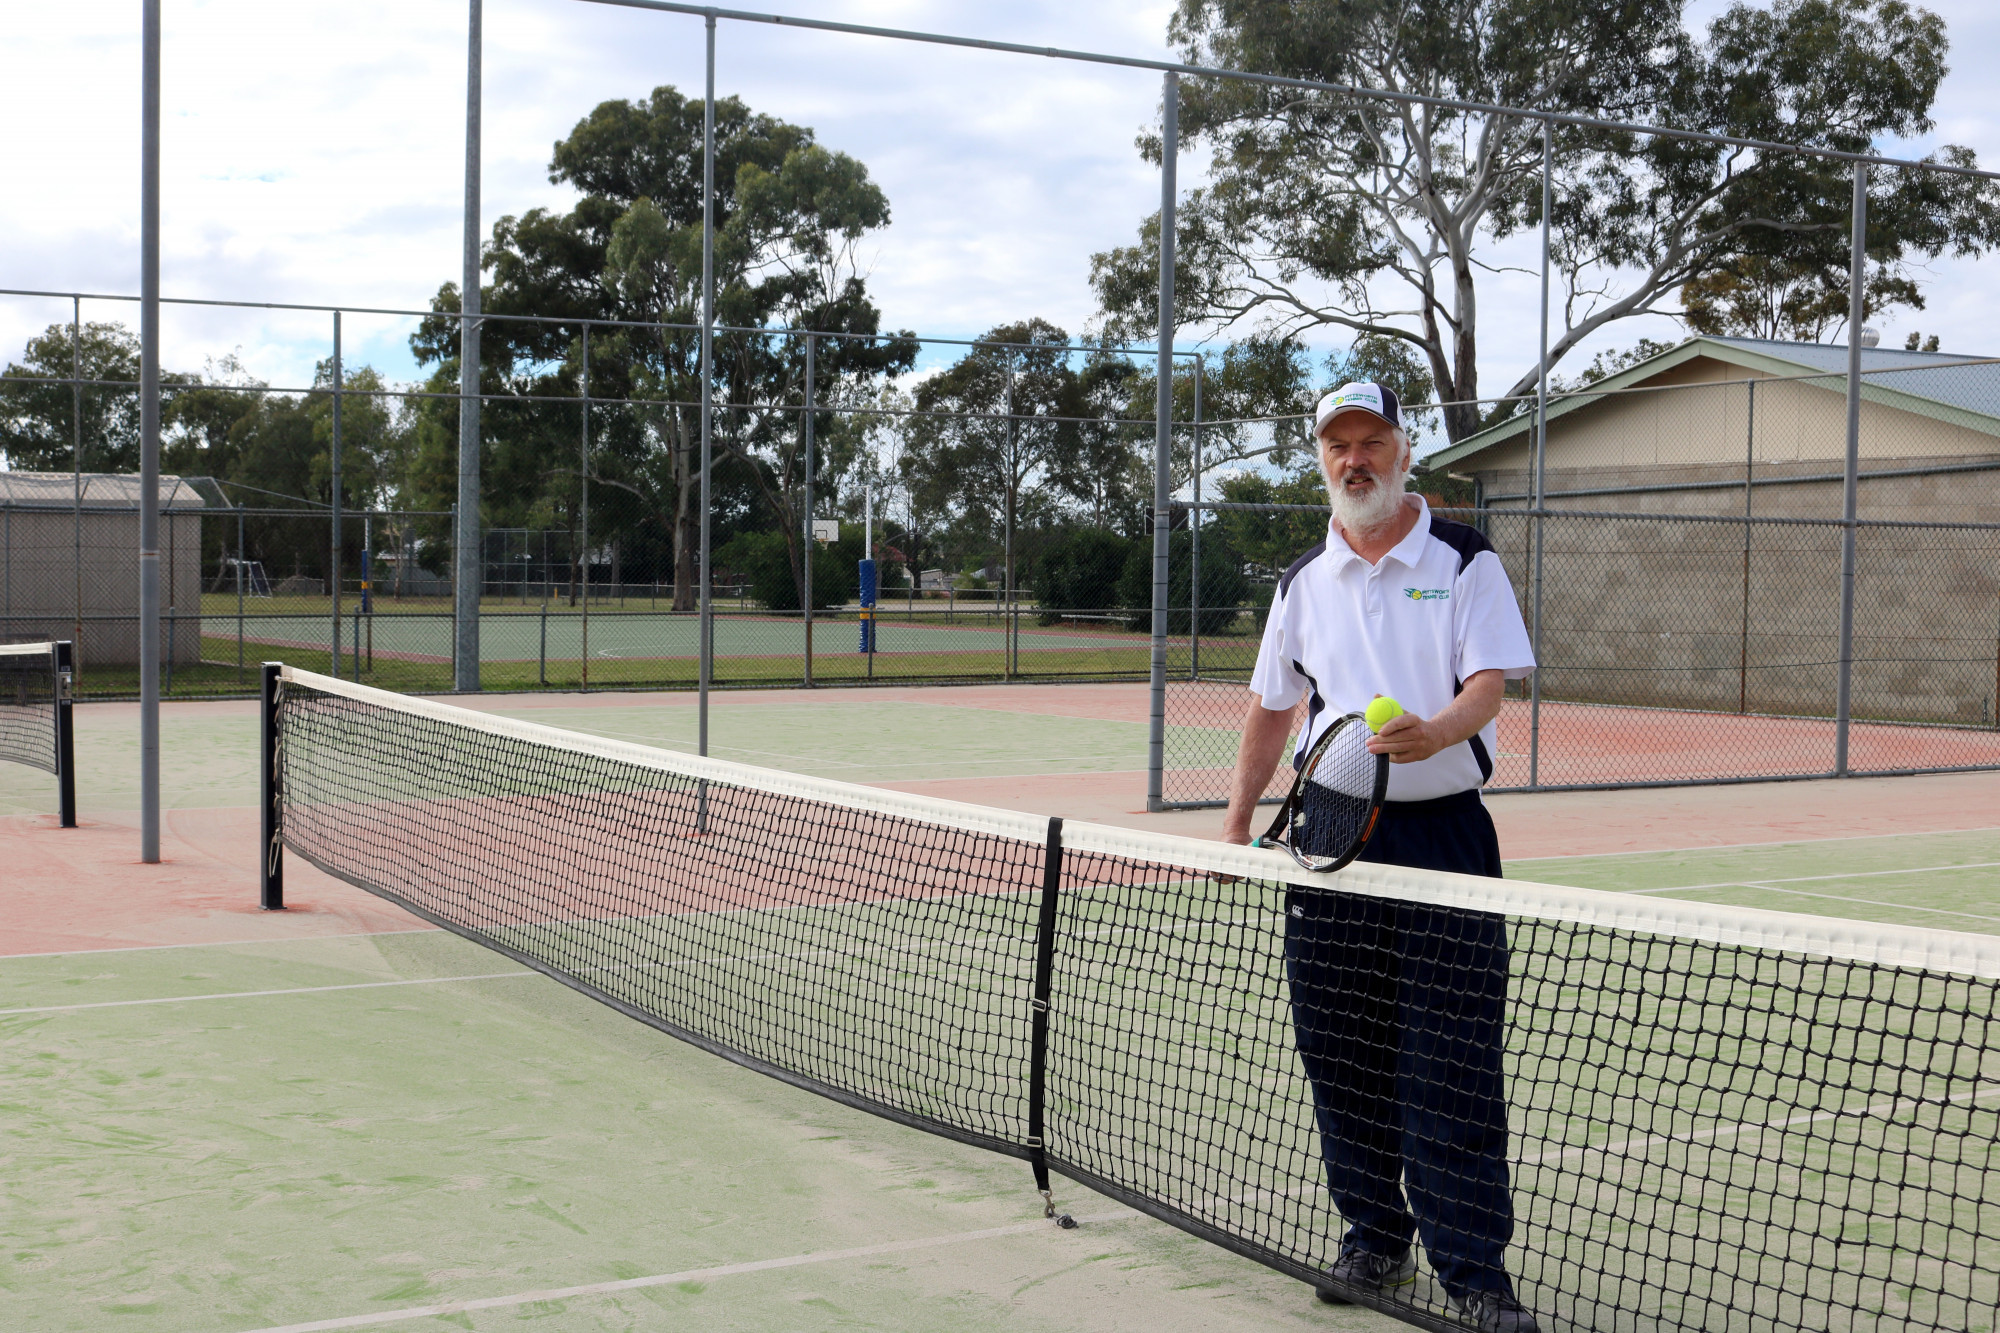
x=469, y=552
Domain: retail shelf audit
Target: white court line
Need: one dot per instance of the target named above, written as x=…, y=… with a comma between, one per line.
x=1815, y=879
x=669, y=1279
x=1742, y=846
x=1754, y=1127
x=220, y=944
x=1842, y=898
x=255, y=994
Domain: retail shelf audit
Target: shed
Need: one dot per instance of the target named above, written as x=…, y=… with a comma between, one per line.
x=69, y=564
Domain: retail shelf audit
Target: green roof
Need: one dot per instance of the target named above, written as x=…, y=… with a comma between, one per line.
x=1970, y=399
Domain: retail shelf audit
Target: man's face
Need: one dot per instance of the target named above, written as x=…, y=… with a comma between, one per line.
x=1361, y=457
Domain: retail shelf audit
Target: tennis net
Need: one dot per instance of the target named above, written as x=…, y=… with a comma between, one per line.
x=35, y=715
x=1711, y=1117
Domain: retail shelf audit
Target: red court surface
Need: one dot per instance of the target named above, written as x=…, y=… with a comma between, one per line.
x=85, y=888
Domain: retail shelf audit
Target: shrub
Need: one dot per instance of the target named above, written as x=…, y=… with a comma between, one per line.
x=1223, y=587
x=760, y=558
x=1079, y=571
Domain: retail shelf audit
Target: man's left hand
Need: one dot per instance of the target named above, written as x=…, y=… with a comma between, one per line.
x=1407, y=738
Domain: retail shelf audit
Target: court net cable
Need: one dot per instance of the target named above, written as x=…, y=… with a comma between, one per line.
x=1713, y=1117
x=35, y=715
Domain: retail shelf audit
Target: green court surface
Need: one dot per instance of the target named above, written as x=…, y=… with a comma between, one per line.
x=369, y=1131
x=410, y=1120
x=525, y=636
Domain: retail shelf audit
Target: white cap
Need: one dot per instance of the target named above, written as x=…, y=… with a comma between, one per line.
x=1376, y=399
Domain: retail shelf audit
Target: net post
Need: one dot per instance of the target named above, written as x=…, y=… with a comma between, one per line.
x=63, y=653
x=270, y=791
x=1038, y=1039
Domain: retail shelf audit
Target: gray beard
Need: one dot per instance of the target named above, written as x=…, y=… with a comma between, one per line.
x=1372, y=512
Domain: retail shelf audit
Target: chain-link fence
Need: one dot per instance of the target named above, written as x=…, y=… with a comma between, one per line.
x=242, y=585
x=1686, y=648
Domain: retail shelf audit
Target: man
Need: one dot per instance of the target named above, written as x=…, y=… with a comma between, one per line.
x=1398, y=1007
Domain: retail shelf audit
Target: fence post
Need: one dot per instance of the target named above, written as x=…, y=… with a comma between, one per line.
x=1163, y=413
x=239, y=592
x=1006, y=602
x=76, y=446
x=583, y=483
x=1194, y=540
x=333, y=535
x=1850, y=486
x=1541, y=472
x=1749, y=482
x=806, y=560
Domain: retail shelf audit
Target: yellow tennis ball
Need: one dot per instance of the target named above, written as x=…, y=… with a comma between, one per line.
x=1380, y=711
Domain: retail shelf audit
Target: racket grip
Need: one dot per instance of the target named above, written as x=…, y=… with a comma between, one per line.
x=1257, y=841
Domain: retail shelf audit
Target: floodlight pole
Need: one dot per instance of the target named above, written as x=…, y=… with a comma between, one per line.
x=470, y=554
x=1163, y=417
x=1857, y=310
x=149, y=433
x=706, y=620
x=1541, y=475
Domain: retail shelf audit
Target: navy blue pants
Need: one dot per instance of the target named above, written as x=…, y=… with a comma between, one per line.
x=1400, y=1010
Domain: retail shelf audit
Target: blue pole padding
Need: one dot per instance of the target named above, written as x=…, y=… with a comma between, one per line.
x=868, y=591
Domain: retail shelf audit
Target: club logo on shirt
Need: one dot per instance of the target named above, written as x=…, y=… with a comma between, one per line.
x=1428, y=594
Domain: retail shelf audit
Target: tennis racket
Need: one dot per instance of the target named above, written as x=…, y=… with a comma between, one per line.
x=1334, y=801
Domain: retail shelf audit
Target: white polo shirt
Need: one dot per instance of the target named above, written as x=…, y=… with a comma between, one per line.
x=1414, y=625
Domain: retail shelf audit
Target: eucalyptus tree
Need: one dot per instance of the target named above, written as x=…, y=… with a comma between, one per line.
x=1333, y=212
x=790, y=217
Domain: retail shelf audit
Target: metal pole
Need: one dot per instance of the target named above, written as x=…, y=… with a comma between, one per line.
x=706, y=621
x=469, y=559
x=1194, y=541
x=1851, y=486
x=271, y=792
x=584, y=483
x=1007, y=563
x=333, y=536
x=1163, y=415
x=1541, y=477
x=1749, y=484
x=239, y=593
x=65, y=667
x=806, y=593
x=542, y=655
x=76, y=444
x=149, y=435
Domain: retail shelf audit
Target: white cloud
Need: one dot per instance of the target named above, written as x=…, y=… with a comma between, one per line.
x=315, y=154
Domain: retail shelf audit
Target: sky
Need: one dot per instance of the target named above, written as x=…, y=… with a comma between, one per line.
x=315, y=154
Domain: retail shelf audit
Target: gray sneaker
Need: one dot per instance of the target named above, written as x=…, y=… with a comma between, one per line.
x=1362, y=1271
x=1497, y=1312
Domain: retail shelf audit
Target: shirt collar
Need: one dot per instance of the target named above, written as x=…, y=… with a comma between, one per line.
x=1406, y=552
